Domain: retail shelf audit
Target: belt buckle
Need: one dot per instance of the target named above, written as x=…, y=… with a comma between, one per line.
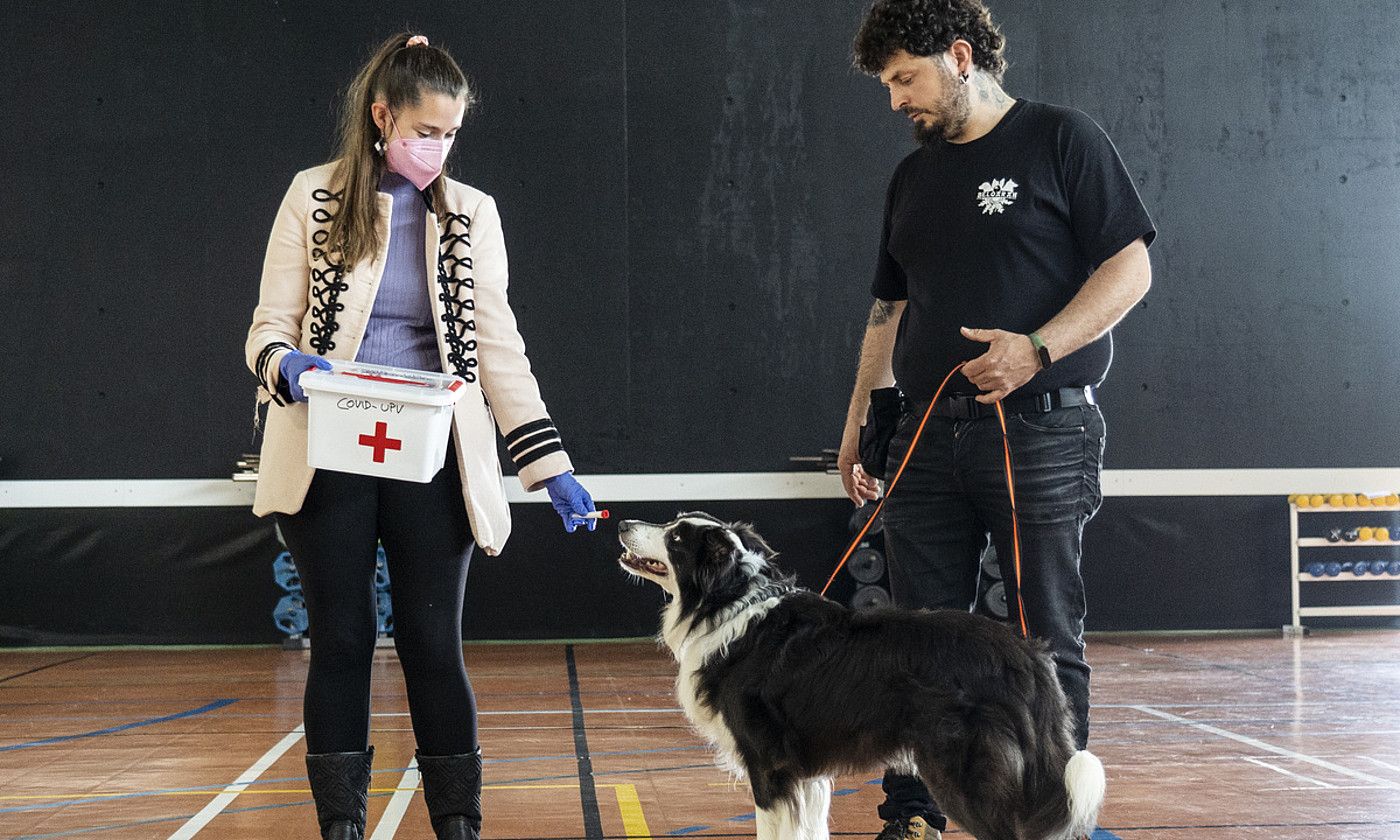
x=1045, y=402
x=965, y=407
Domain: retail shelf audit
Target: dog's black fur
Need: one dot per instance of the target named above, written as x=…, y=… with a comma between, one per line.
x=809, y=689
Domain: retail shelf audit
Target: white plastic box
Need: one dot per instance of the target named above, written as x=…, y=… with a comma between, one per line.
x=377, y=420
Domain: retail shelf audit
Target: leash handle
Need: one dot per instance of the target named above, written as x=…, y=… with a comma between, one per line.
x=889, y=491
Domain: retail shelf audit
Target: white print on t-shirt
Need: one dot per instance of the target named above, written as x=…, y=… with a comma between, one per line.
x=996, y=195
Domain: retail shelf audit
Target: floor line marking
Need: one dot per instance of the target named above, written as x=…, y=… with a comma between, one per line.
x=1314, y=789
x=217, y=704
x=1309, y=779
x=587, y=793
x=45, y=667
x=1267, y=747
x=64, y=800
x=398, y=803
x=220, y=802
x=1381, y=763
x=675, y=709
x=634, y=822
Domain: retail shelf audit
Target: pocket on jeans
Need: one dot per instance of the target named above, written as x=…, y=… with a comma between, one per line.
x=1065, y=421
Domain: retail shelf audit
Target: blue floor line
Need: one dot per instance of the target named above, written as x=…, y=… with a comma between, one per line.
x=219, y=788
x=158, y=820
x=217, y=704
x=397, y=771
x=572, y=758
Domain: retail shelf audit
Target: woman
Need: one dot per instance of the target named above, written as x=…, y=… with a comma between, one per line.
x=378, y=257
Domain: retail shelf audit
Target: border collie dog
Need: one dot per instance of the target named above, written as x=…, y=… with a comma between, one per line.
x=793, y=689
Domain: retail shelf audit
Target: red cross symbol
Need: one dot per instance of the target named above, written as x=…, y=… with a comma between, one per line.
x=380, y=441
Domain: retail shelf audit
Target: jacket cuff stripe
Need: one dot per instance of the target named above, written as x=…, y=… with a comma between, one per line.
x=528, y=429
x=264, y=356
x=535, y=454
x=532, y=441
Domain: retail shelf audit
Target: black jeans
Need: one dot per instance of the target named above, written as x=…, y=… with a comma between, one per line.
x=428, y=543
x=953, y=494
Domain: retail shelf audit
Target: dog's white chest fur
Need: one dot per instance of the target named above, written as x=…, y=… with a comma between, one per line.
x=692, y=648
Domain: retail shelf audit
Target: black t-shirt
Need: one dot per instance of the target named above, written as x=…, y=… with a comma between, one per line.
x=1000, y=233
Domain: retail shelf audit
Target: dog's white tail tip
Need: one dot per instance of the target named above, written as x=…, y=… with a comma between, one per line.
x=1085, y=783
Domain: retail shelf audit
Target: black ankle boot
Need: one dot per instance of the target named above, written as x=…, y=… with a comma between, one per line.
x=452, y=792
x=340, y=786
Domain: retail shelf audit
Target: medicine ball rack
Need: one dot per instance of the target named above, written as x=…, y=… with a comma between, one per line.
x=1299, y=576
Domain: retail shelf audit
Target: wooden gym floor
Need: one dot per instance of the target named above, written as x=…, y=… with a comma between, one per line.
x=1204, y=737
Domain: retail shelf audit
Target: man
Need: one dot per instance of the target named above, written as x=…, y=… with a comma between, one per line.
x=1013, y=240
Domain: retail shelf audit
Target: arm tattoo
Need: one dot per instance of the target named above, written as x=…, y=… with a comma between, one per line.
x=881, y=312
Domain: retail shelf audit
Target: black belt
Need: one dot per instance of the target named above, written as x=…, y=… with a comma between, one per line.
x=966, y=406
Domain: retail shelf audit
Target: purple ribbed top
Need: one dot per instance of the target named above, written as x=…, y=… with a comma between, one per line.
x=400, y=330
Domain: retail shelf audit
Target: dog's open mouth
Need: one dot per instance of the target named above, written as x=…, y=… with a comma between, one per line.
x=643, y=564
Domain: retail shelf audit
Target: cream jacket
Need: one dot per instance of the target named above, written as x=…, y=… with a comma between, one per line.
x=310, y=302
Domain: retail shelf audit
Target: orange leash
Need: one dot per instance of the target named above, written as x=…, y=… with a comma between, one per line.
x=1015, y=522
x=1010, y=489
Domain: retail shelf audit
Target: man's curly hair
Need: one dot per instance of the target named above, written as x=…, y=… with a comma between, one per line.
x=928, y=27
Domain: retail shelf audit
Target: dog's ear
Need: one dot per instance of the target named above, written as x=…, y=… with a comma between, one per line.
x=719, y=558
x=719, y=548
x=752, y=541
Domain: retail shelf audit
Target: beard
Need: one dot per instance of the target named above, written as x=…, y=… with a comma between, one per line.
x=947, y=117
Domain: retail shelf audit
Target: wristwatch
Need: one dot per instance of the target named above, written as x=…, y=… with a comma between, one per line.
x=1041, y=350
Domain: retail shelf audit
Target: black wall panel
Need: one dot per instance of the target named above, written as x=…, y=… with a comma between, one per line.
x=197, y=575
x=1266, y=140
x=691, y=193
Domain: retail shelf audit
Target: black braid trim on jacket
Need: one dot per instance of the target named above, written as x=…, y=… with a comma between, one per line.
x=454, y=290
x=328, y=278
x=260, y=367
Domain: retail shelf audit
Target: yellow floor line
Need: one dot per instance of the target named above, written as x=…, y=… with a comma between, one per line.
x=634, y=822
x=249, y=792
x=135, y=793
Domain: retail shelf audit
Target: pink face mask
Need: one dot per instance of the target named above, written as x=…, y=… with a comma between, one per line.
x=419, y=159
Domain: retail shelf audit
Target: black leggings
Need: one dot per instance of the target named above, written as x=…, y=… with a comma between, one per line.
x=428, y=543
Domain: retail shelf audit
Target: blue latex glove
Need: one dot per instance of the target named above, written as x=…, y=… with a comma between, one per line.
x=570, y=500
x=293, y=365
